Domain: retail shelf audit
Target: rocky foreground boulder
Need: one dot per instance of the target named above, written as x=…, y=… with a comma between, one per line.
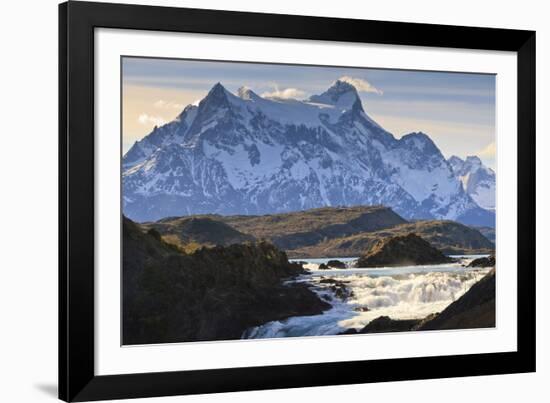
x=212, y=294
x=402, y=251
x=336, y=264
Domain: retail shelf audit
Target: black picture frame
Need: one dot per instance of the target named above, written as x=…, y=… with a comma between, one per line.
x=77, y=379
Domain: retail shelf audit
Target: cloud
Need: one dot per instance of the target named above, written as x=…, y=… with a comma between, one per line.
x=361, y=85
x=161, y=104
x=489, y=151
x=287, y=93
x=146, y=119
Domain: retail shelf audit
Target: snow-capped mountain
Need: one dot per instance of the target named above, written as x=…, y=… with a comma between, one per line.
x=477, y=180
x=244, y=154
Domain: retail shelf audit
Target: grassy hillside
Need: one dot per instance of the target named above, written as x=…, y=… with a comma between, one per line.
x=488, y=232
x=190, y=233
x=321, y=232
x=448, y=236
x=289, y=231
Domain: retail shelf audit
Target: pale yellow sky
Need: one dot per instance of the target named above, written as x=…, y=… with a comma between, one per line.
x=144, y=107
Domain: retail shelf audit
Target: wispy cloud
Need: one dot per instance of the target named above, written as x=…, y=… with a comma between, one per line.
x=162, y=104
x=146, y=119
x=287, y=93
x=361, y=85
x=489, y=151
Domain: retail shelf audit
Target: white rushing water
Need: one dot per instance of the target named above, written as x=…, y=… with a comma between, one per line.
x=409, y=292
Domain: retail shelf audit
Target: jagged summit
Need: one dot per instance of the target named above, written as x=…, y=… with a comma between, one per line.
x=246, y=154
x=421, y=141
x=340, y=93
x=473, y=159
x=217, y=95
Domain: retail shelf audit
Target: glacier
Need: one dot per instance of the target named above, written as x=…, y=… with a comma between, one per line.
x=246, y=154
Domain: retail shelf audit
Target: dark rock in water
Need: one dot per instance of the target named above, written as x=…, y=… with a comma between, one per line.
x=323, y=266
x=483, y=262
x=338, y=287
x=362, y=309
x=327, y=297
x=349, y=331
x=336, y=264
x=342, y=292
x=475, y=309
x=384, y=324
x=401, y=251
x=212, y=294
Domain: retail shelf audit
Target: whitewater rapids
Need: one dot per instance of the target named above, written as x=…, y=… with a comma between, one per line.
x=410, y=292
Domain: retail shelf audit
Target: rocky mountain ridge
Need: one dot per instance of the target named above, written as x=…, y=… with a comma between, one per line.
x=244, y=154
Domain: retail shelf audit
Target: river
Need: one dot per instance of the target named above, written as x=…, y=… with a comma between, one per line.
x=359, y=295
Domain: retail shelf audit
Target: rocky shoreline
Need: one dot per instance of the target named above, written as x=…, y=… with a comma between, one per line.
x=212, y=294
x=177, y=294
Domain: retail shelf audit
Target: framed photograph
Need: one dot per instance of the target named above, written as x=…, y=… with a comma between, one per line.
x=257, y=201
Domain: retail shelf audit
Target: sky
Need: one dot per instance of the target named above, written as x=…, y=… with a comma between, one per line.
x=457, y=110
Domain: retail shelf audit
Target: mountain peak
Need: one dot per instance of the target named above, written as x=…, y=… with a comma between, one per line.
x=419, y=138
x=341, y=87
x=216, y=97
x=473, y=159
x=340, y=93
x=217, y=89
x=246, y=93
x=455, y=159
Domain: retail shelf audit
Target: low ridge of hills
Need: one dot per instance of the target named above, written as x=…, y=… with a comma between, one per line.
x=190, y=233
x=327, y=231
x=450, y=237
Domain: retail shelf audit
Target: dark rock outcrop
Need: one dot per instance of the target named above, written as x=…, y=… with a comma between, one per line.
x=384, y=324
x=338, y=287
x=483, y=262
x=336, y=264
x=212, y=294
x=401, y=251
